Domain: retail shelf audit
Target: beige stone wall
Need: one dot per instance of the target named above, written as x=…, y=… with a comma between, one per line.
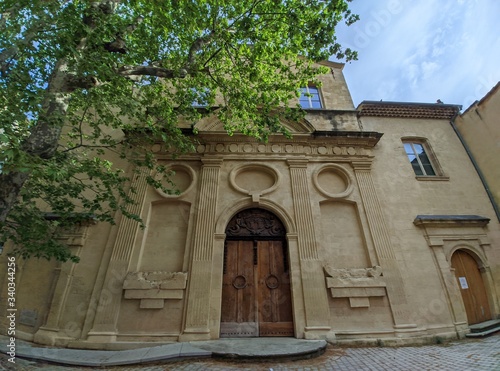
x=480, y=128
x=31, y=276
x=403, y=196
x=334, y=89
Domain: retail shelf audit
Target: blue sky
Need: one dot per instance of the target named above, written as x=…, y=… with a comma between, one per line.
x=421, y=51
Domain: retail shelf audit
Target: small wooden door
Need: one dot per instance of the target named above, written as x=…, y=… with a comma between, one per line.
x=256, y=299
x=472, y=287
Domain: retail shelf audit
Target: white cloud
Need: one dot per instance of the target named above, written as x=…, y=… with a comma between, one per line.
x=425, y=50
x=429, y=69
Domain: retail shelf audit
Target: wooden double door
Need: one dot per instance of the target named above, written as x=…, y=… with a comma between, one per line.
x=256, y=297
x=472, y=287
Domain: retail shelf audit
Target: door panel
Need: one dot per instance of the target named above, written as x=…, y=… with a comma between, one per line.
x=256, y=298
x=239, y=314
x=273, y=284
x=472, y=287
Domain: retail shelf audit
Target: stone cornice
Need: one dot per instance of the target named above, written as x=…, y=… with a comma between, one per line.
x=306, y=149
x=450, y=221
x=315, y=144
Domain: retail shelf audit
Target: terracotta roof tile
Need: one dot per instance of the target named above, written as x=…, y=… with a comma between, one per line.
x=436, y=111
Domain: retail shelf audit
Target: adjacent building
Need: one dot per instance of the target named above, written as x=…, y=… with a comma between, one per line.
x=370, y=223
x=479, y=128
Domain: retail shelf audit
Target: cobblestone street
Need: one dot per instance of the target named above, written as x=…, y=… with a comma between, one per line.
x=478, y=355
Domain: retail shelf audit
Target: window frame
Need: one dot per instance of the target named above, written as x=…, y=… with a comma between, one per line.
x=196, y=103
x=309, y=99
x=431, y=156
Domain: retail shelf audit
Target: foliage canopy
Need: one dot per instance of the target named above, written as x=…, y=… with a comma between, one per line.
x=74, y=73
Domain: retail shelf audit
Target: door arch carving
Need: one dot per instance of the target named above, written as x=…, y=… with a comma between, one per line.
x=256, y=296
x=255, y=223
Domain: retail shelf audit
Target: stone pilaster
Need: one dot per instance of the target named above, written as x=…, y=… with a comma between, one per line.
x=200, y=278
x=311, y=270
x=106, y=318
x=449, y=282
x=383, y=247
x=51, y=333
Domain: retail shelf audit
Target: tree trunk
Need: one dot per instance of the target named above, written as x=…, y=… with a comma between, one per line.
x=10, y=186
x=44, y=138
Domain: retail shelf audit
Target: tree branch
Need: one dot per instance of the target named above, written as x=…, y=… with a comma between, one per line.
x=74, y=82
x=151, y=71
x=197, y=45
x=99, y=146
x=8, y=54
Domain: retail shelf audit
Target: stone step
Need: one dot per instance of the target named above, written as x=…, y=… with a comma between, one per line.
x=484, y=328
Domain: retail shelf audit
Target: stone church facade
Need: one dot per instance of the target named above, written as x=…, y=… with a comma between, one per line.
x=369, y=224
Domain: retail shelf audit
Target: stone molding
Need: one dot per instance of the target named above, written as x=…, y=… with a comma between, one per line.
x=314, y=293
x=105, y=322
x=331, y=143
x=176, y=166
x=357, y=284
x=446, y=234
x=75, y=236
x=436, y=221
x=256, y=194
x=339, y=170
x=383, y=246
x=450, y=232
x=197, y=320
x=317, y=149
x=153, y=288
x=214, y=124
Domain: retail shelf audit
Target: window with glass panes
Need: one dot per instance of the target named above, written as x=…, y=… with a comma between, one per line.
x=310, y=97
x=419, y=159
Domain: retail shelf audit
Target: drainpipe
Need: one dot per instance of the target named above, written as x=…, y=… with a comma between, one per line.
x=476, y=166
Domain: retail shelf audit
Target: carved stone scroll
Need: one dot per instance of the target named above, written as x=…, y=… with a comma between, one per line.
x=255, y=223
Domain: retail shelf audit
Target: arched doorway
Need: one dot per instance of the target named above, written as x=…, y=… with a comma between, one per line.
x=256, y=296
x=471, y=286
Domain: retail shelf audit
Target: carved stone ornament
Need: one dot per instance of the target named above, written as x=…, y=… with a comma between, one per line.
x=255, y=223
x=153, y=288
x=357, y=284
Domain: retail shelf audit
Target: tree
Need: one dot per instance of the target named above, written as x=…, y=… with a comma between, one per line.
x=73, y=71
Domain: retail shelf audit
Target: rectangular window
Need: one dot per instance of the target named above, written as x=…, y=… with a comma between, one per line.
x=419, y=159
x=200, y=97
x=310, y=97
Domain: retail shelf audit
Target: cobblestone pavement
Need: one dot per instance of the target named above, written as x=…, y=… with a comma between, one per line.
x=477, y=355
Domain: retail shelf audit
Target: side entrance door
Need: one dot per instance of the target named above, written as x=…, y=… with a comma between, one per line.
x=256, y=298
x=471, y=286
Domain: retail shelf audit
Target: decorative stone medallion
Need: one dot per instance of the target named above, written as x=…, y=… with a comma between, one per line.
x=182, y=178
x=333, y=181
x=254, y=179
